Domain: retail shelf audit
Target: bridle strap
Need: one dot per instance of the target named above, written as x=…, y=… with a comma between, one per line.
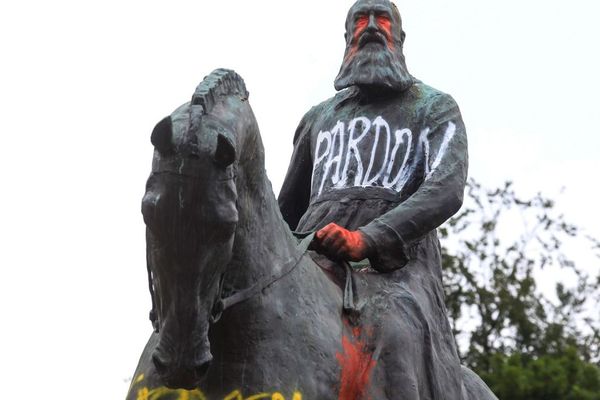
x=223, y=303
x=153, y=315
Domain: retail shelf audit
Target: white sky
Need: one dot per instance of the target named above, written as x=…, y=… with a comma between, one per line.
x=83, y=83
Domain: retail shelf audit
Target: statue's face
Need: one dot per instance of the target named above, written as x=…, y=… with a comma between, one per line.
x=371, y=25
x=374, y=40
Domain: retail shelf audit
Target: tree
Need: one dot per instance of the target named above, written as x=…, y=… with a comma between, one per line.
x=525, y=343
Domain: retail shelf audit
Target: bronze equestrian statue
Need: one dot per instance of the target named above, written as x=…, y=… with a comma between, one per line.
x=244, y=310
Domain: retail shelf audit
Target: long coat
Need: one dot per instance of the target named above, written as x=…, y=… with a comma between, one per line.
x=393, y=167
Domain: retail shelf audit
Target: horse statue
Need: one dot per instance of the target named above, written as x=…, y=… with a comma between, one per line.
x=240, y=309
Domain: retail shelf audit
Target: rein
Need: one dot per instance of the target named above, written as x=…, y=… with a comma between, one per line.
x=223, y=303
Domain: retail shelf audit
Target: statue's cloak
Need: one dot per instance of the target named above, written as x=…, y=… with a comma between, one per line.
x=393, y=167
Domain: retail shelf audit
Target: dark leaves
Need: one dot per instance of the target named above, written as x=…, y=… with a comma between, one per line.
x=493, y=251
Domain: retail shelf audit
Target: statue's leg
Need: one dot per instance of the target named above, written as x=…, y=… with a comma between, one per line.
x=416, y=360
x=401, y=361
x=475, y=387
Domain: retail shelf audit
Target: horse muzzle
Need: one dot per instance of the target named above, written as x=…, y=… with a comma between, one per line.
x=179, y=373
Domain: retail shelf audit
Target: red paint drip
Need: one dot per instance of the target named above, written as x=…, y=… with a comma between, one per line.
x=357, y=363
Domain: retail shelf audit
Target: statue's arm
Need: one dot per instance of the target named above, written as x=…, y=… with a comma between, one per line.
x=439, y=196
x=295, y=193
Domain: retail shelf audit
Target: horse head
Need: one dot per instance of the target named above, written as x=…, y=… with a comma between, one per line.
x=190, y=212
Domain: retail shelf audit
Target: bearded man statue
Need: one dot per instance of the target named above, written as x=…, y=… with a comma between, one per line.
x=375, y=170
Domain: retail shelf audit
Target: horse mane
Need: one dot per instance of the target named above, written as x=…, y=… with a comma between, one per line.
x=220, y=82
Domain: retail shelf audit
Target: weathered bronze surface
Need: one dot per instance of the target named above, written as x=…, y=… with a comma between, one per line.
x=241, y=308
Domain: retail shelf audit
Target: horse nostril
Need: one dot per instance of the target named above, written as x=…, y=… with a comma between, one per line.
x=149, y=206
x=159, y=364
x=202, y=369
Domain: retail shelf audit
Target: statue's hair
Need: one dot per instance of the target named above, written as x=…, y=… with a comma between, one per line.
x=220, y=82
x=396, y=10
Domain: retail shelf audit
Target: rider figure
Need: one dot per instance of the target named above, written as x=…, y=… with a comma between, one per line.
x=375, y=170
x=378, y=167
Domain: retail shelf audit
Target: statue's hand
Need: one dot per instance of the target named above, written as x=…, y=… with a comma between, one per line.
x=339, y=243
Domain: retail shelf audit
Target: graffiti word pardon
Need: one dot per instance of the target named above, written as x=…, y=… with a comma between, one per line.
x=370, y=153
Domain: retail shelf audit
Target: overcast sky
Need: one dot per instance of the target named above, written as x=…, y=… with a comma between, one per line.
x=83, y=83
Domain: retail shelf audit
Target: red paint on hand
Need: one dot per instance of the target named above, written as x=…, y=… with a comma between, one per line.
x=357, y=363
x=337, y=242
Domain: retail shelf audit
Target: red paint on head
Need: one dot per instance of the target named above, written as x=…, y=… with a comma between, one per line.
x=357, y=363
x=383, y=23
x=360, y=25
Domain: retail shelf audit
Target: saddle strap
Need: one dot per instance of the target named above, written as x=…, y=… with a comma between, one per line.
x=349, y=306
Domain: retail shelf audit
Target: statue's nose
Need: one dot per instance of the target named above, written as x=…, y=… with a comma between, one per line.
x=372, y=26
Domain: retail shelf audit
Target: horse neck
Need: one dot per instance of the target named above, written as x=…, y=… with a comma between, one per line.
x=264, y=242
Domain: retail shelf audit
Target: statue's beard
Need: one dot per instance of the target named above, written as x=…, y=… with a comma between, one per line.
x=376, y=66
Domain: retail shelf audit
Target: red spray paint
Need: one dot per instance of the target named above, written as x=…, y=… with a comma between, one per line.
x=383, y=22
x=342, y=243
x=357, y=363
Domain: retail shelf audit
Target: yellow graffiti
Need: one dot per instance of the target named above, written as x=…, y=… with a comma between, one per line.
x=235, y=395
x=158, y=393
x=145, y=393
x=279, y=396
x=259, y=396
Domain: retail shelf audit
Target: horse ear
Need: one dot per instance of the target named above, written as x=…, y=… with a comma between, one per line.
x=162, y=134
x=225, y=152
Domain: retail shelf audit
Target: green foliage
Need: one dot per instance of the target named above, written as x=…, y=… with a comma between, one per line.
x=564, y=376
x=524, y=343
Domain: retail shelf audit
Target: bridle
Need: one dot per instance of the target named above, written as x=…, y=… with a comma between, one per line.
x=221, y=304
